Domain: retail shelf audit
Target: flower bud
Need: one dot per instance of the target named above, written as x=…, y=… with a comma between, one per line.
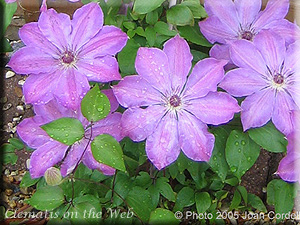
x=53, y=176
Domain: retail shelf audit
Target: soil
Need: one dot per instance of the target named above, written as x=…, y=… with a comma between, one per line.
x=14, y=110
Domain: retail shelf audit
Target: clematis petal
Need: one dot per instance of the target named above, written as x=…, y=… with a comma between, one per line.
x=102, y=69
x=229, y=16
x=29, y=60
x=180, y=60
x=38, y=89
x=257, y=108
x=204, y=78
x=247, y=10
x=245, y=55
x=242, y=82
x=152, y=64
x=73, y=86
x=56, y=27
x=136, y=91
x=109, y=41
x=31, y=35
x=194, y=139
x=73, y=157
x=110, y=125
x=271, y=47
x=46, y=156
x=282, y=113
x=222, y=52
x=287, y=168
x=215, y=31
x=30, y=132
x=138, y=123
x=52, y=111
x=90, y=162
x=86, y=23
x=275, y=10
x=215, y=108
x=286, y=29
x=114, y=104
x=162, y=147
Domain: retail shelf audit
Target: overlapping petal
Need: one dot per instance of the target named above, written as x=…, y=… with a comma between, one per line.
x=275, y=10
x=162, y=147
x=31, y=133
x=37, y=89
x=242, y=82
x=152, y=65
x=257, y=108
x=282, y=113
x=114, y=104
x=56, y=27
x=247, y=10
x=135, y=91
x=101, y=69
x=32, y=60
x=138, y=123
x=180, y=60
x=46, y=156
x=109, y=41
x=204, y=78
x=86, y=23
x=75, y=86
x=215, y=108
x=194, y=139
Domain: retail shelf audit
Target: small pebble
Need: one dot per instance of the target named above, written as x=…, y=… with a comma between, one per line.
x=10, y=179
x=9, y=74
x=16, y=119
x=14, y=173
x=19, y=92
x=6, y=172
x=12, y=204
x=7, y=106
x=21, y=82
x=20, y=107
x=3, y=100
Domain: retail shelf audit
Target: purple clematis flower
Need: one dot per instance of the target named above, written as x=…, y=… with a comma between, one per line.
x=44, y=1
x=170, y=110
x=62, y=55
x=268, y=77
x=242, y=19
x=49, y=152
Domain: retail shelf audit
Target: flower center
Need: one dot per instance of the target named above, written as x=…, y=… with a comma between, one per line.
x=247, y=35
x=68, y=57
x=175, y=101
x=278, y=79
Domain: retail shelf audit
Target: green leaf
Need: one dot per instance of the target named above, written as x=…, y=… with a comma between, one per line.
x=197, y=55
x=185, y=197
x=236, y=200
x=95, y=105
x=244, y=193
x=129, y=25
x=8, y=154
x=154, y=193
x=143, y=180
x=9, y=10
x=5, y=45
x=47, y=198
x=192, y=34
x=27, y=181
x=233, y=181
x=162, y=216
x=126, y=57
x=152, y=17
x=123, y=185
x=140, y=31
x=165, y=189
x=217, y=161
x=65, y=130
x=145, y=6
x=196, y=8
x=139, y=200
x=81, y=213
x=108, y=151
x=241, y=153
x=256, y=202
x=17, y=143
x=180, y=15
x=163, y=28
x=150, y=35
x=269, y=138
x=203, y=201
x=281, y=195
